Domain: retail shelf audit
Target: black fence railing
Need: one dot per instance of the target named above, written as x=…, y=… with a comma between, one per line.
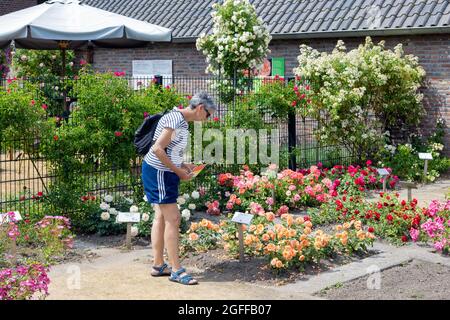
x=25, y=176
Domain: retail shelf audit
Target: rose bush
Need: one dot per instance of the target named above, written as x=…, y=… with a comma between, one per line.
x=356, y=94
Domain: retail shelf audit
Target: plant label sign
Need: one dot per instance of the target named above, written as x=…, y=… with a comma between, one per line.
x=129, y=217
x=383, y=172
x=425, y=156
x=243, y=218
x=4, y=218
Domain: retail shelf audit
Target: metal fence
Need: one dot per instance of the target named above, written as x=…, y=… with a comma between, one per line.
x=25, y=176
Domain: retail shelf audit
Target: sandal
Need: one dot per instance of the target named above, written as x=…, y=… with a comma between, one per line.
x=186, y=279
x=159, y=271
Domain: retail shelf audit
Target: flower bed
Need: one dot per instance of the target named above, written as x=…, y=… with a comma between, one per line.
x=22, y=277
x=290, y=243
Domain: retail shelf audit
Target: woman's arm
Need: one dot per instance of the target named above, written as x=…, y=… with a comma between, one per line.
x=159, y=150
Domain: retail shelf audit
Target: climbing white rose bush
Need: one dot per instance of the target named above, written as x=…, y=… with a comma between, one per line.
x=360, y=94
x=239, y=39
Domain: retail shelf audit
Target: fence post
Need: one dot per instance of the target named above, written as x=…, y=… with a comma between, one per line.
x=292, y=135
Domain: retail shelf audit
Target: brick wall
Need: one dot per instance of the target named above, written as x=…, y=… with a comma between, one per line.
x=7, y=6
x=433, y=52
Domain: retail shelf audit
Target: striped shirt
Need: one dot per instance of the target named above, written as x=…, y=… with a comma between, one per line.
x=175, y=150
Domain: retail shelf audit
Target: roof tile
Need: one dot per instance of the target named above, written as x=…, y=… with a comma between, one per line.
x=189, y=18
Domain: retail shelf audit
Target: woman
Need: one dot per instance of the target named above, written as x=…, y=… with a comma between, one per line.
x=162, y=170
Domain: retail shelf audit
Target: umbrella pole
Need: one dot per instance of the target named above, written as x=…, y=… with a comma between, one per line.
x=64, y=78
x=63, y=45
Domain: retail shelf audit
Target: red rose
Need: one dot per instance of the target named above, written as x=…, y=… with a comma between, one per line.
x=368, y=163
x=389, y=217
x=118, y=133
x=40, y=194
x=371, y=230
x=55, y=137
x=294, y=103
x=404, y=239
x=216, y=119
x=44, y=106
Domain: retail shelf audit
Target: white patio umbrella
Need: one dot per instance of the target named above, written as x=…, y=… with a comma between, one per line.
x=44, y=27
x=69, y=24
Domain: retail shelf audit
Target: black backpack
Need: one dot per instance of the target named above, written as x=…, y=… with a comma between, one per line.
x=143, y=137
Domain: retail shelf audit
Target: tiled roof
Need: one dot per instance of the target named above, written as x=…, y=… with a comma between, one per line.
x=295, y=18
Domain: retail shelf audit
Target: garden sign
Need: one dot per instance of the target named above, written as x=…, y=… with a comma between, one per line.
x=4, y=218
x=128, y=218
x=241, y=218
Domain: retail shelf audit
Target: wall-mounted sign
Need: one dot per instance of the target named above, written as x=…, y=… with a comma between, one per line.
x=145, y=70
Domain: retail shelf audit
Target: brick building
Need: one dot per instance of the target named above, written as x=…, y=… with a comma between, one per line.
x=422, y=26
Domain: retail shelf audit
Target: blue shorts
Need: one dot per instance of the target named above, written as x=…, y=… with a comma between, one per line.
x=159, y=186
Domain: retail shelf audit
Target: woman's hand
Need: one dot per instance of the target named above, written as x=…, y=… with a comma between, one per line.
x=189, y=166
x=184, y=175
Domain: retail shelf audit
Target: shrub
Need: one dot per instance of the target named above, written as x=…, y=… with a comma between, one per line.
x=358, y=93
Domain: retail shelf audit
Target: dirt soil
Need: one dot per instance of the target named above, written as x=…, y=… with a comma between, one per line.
x=417, y=280
x=216, y=265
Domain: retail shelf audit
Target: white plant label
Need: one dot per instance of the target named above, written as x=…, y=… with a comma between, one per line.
x=383, y=172
x=425, y=156
x=4, y=218
x=243, y=218
x=129, y=217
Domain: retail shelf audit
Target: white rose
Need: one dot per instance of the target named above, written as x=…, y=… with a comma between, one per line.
x=53, y=57
x=104, y=206
x=41, y=65
x=195, y=194
x=192, y=206
x=145, y=198
x=105, y=215
x=134, y=209
x=186, y=214
x=134, y=231
x=108, y=198
x=145, y=217
x=181, y=200
x=288, y=193
x=186, y=196
x=71, y=64
x=24, y=58
x=113, y=211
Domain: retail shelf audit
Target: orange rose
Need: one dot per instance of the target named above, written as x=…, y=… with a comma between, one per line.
x=274, y=261
x=279, y=264
x=265, y=237
x=301, y=258
x=271, y=247
x=252, y=228
x=193, y=236
x=194, y=226
x=292, y=233
x=204, y=223
x=308, y=224
x=307, y=231
x=299, y=220
x=270, y=216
